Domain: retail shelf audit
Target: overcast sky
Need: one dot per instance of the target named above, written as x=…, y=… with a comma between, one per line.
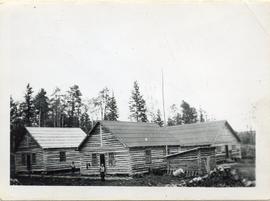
x=214, y=55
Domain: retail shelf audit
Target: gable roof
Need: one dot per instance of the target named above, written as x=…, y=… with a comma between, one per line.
x=136, y=134
x=51, y=137
x=205, y=133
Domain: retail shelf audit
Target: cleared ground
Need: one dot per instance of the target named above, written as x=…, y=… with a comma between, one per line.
x=245, y=169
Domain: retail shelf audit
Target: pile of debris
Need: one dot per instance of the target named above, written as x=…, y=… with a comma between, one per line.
x=219, y=177
x=14, y=182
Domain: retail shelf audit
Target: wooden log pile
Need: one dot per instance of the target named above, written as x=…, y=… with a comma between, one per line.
x=219, y=177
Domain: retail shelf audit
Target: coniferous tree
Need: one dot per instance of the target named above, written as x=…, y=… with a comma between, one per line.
x=41, y=104
x=158, y=119
x=189, y=113
x=137, y=105
x=16, y=124
x=27, y=106
x=74, y=103
x=85, y=122
x=112, y=110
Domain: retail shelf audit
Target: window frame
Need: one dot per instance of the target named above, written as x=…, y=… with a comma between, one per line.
x=111, y=158
x=33, y=158
x=62, y=156
x=148, y=156
x=23, y=159
x=218, y=149
x=94, y=160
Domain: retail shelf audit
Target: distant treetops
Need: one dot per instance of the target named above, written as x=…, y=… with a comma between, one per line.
x=68, y=109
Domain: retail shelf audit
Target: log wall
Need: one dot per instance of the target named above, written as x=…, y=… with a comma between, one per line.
x=138, y=159
x=109, y=144
x=52, y=159
x=28, y=146
x=200, y=161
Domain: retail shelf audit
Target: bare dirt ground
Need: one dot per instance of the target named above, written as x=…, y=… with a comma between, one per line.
x=245, y=169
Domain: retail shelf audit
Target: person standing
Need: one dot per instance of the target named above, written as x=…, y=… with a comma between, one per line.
x=102, y=172
x=73, y=167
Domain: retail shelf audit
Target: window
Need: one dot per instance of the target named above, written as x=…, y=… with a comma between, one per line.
x=164, y=151
x=148, y=156
x=94, y=160
x=62, y=156
x=233, y=147
x=23, y=159
x=34, y=160
x=111, y=159
x=218, y=149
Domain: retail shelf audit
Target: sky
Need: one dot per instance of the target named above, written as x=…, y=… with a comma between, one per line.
x=214, y=55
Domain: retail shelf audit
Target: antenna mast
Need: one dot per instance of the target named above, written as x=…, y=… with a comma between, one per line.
x=163, y=102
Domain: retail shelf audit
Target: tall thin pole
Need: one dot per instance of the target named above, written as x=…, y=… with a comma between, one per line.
x=163, y=102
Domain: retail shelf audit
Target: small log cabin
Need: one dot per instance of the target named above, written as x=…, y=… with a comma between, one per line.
x=44, y=149
x=196, y=161
x=125, y=148
x=218, y=134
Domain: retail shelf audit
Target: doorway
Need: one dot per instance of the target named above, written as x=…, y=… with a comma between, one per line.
x=227, y=151
x=28, y=162
x=102, y=159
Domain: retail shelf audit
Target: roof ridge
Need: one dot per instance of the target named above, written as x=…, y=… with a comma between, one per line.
x=197, y=123
x=133, y=122
x=53, y=127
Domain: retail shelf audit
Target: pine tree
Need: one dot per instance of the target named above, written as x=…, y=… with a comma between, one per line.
x=16, y=124
x=41, y=103
x=158, y=119
x=137, y=105
x=74, y=103
x=112, y=110
x=85, y=122
x=189, y=113
x=27, y=106
x=14, y=115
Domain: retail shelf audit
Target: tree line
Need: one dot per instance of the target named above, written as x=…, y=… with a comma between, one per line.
x=68, y=109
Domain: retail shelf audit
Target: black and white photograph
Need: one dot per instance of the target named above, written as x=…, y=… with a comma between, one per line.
x=170, y=94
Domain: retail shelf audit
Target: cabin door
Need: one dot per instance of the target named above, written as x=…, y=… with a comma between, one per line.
x=102, y=159
x=227, y=151
x=28, y=162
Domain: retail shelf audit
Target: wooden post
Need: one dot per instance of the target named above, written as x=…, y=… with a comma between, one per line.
x=199, y=161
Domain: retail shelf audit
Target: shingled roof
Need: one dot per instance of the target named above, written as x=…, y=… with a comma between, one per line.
x=200, y=133
x=134, y=134
x=48, y=137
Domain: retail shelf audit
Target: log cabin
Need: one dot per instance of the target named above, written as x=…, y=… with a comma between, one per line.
x=45, y=149
x=217, y=134
x=125, y=148
x=132, y=148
